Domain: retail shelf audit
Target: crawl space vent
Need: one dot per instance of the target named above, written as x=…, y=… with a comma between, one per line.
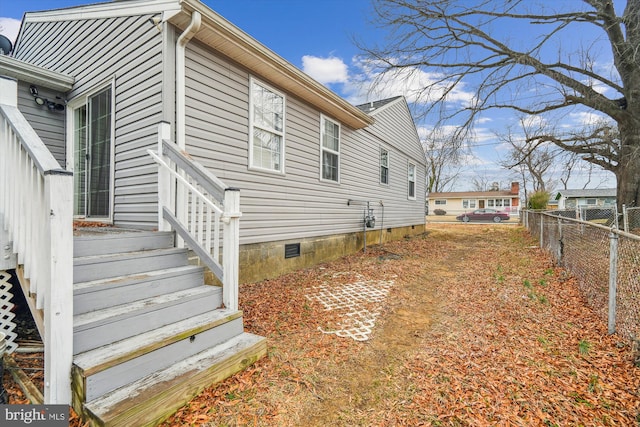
x=292, y=250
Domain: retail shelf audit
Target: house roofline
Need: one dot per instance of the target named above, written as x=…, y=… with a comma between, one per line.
x=228, y=39
x=24, y=71
x=461, y=194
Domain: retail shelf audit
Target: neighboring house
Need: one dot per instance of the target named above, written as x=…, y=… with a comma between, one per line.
x=458, y=202
x=596, y=197
x=92, y=100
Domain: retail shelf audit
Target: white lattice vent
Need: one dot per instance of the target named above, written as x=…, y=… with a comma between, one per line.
x=354, y=302
x=7, y=325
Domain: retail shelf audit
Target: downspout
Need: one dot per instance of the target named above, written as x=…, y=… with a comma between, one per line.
x=181, y=128
x=185, y=37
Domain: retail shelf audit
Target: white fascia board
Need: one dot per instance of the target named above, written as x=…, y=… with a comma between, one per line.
x=105, y=10
x=23, y=71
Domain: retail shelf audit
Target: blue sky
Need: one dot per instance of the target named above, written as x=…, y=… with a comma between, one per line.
x=317, y=36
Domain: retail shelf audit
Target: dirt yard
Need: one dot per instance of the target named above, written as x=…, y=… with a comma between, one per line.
x=476, y=327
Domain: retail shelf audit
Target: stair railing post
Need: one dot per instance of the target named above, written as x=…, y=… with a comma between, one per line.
x=231, y=247
x=58, y=301
x=164, y=179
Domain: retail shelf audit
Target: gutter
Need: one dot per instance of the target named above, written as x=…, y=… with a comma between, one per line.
x=183, y=40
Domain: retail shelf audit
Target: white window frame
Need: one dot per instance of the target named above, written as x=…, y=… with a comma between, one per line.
x=252, y=126
x=384, y=166
x=440, y=202
x=323, y=120
x=411, y=166
x=469, y=203
x=72, y=106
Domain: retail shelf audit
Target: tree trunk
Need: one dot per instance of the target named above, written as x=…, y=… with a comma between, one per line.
x=628, y=170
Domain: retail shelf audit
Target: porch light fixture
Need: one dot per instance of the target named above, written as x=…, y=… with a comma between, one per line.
x=34, y=93
x=52, y=106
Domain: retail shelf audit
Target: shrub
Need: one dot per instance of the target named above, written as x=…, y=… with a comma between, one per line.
x=439, y=212
x=538, y=200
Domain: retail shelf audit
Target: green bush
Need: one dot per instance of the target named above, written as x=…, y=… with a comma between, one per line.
x=538, y=200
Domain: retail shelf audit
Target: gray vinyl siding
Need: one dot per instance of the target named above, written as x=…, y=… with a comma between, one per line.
x=49, y=125
x=128, y=50
x=394, y=124
x=297, y=204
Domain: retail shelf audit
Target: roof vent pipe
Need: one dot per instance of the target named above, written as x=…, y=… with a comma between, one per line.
x=185, y=37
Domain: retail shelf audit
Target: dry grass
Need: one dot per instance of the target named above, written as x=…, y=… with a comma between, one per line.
x=479, y=329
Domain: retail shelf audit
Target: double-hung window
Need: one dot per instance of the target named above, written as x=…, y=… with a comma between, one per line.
x=330, y=150
x=411, y=178
x=384, y=166
x=266, y=150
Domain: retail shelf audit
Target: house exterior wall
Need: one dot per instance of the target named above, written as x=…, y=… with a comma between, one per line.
x=296, y=204
x=594, y=202
x=49, y=125
x=454, y=206
x=128, y=50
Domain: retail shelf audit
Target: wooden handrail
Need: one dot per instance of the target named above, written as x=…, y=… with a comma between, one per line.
x=183, y=184
x=36, y=206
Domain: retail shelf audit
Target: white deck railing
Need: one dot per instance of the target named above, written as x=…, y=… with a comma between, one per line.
x=37, y=212
x=198, y=206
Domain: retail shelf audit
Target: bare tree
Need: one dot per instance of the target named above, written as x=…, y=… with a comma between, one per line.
x=534, y=163
x=443, y=161
x=467, y=46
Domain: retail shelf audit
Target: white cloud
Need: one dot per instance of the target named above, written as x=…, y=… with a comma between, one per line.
x=9, y=27
x=325, y=70
x=415, y=84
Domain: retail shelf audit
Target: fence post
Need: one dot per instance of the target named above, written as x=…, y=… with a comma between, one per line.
x=164, y=179
x=613, y=277
x=625, y=219
x=560, y=244
x=230, y=248
x=541, y=229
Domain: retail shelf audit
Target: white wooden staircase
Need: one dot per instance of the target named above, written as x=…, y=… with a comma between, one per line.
x=121, y=312
x=148, y=334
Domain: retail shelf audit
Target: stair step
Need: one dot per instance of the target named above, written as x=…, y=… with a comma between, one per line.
x=100, y=294
x=110, y=240
x=104, y=369
x=101, y=327
x=151, y=399
x=97, y=267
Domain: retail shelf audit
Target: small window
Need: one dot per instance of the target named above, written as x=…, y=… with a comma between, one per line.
x=468, y=203
x=591, y=201
x=441, y=202
x=266, y=149
x=411, y=177
x=384, y=166
x=330, y=150
x=491, y=203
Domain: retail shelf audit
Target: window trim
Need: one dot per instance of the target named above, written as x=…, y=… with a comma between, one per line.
x=282, y=134
x=388, y=166
x=72, y=105
x=323, y=120
x=475, y=204
x=415, y=171
x=440, y=202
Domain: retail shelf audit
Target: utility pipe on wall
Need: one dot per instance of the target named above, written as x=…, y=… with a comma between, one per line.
x=181, y=129
x=185, y=37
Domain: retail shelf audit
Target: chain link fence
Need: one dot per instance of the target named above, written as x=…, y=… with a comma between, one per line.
x=605, y=261
x=631, y=220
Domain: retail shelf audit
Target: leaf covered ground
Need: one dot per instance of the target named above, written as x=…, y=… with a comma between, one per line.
x=479, y=328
